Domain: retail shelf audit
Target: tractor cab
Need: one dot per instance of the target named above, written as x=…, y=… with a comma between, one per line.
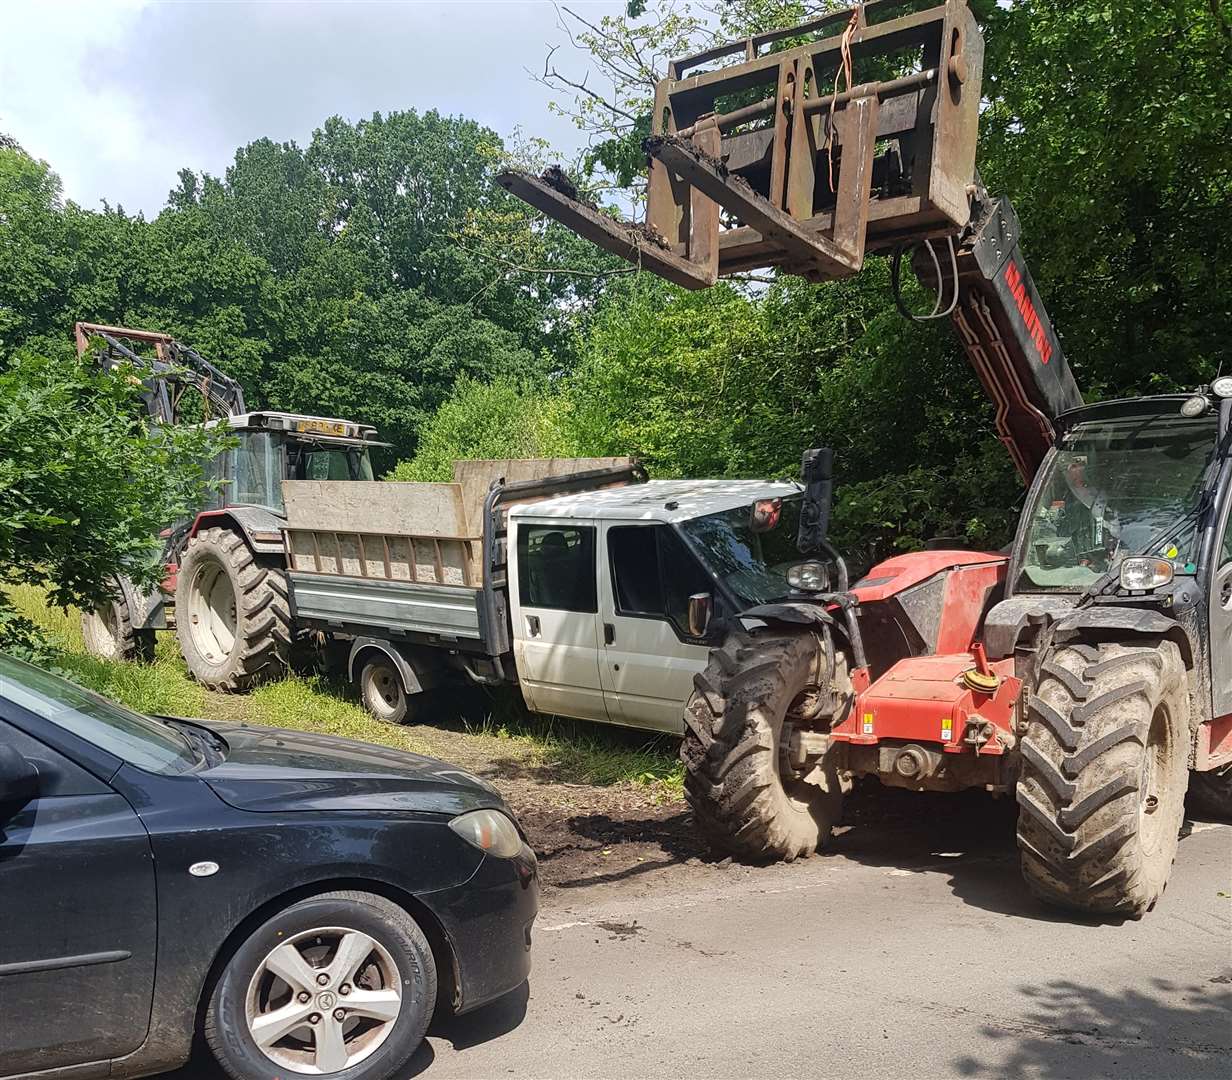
x=273, y=446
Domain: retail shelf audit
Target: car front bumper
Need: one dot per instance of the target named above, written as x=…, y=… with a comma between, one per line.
x=488, y=921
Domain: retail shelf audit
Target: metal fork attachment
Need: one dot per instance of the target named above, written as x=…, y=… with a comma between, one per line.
x=857, y=135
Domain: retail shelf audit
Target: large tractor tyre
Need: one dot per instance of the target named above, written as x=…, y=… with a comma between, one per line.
x=232, y=613
x=744, y=796
x=1211, y=792
x=108, y=633
x=1104, y=771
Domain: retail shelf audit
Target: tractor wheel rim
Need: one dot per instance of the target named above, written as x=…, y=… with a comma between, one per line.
x=323, y=1000
x=212, y=613
x=1151, y=797
x=383, y=690
x=107, y=630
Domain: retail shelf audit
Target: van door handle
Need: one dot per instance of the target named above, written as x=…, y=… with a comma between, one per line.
x=532, y=625
x=609, y=633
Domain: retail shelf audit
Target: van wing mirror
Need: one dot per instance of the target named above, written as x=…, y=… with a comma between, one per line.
x=18, y=779
x=701, y=609
x=817, y=469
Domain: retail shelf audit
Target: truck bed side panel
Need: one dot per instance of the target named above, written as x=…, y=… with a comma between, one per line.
x=388, y=607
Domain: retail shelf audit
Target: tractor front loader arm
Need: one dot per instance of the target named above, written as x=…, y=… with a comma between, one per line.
x=165, y=376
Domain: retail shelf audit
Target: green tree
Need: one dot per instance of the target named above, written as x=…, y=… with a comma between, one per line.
x=85, y=487
x=498, y=419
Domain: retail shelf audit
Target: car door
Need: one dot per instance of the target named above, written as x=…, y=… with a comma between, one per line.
x=78, y=918
x=649, y=659
x=556, y=619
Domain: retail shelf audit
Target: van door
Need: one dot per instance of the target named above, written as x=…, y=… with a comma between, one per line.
x=648, y=658
x=556, y=619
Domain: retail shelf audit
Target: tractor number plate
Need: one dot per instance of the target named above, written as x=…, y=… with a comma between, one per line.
x=322, y=427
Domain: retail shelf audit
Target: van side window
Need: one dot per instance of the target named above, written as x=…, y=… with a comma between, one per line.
x=556, y=567
x=654, y=574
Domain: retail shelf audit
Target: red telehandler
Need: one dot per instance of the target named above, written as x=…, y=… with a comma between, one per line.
x=1089, y=669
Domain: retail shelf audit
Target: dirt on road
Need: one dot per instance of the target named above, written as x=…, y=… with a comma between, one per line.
x=586, y=836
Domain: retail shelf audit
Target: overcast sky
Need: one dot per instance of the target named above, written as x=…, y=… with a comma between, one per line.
x=118, y=95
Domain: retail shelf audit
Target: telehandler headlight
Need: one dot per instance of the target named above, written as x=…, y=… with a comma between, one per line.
x=809, y=577
x=1195, y=406
x=1141, y=574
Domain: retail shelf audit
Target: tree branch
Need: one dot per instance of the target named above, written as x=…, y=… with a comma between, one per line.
x=550, y=73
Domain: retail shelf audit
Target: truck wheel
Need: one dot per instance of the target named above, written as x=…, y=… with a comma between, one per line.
x=232, y=615
x=1102, y=789
x=743, y=795
x=108, y=633
x=380, y=687
x=1211, y=792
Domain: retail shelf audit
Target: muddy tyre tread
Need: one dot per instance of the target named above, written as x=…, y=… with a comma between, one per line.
x=263, y=614
x=1079, y=792
x=132, y=645
x=730, y=750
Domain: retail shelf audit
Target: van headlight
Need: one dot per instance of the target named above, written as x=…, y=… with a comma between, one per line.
x=490, y=831
x=1140, y=574
x=809, y=576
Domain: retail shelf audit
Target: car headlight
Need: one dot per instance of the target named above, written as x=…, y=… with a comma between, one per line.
x=809, y=577
x=1138, y=574
x=490, y=831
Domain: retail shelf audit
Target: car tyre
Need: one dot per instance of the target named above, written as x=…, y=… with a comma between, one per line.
x=285, y=1003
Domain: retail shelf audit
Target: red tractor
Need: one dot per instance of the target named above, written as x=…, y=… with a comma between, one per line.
x=225, y=592
x=1089, y=670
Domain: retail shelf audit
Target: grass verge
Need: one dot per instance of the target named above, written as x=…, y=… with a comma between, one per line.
x=489, y=734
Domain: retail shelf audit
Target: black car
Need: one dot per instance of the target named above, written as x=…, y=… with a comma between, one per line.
x=303, y=902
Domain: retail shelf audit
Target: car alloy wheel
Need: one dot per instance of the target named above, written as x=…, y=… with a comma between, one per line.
x=323, y=1000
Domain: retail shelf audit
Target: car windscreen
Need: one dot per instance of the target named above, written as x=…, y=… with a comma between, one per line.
x=751, y=561
x=139, y=740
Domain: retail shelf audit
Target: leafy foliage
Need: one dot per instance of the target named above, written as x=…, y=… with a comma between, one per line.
x=500, y=419
x=344, y=278
x=84, y=486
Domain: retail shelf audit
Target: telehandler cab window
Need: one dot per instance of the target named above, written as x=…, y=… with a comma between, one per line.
x=556, y=567
x=653, y=573
x=1117, y=488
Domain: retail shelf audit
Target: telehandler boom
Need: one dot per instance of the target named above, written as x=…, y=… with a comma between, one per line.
x=1087, y=670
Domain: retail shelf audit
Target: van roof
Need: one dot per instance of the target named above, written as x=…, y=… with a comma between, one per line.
x=657, y=500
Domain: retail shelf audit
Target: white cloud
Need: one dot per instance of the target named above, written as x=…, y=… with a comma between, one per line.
x=118, y=95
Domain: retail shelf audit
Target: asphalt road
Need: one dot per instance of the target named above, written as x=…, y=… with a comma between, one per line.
x=910, y=951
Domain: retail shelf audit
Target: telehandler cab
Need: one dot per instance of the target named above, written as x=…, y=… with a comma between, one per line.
x=1089, y=669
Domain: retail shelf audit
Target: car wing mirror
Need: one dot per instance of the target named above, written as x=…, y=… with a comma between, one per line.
x=19, y=780
x=701, y=610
